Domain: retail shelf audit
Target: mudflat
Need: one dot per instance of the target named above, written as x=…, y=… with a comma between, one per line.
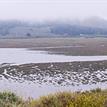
x=64, y=74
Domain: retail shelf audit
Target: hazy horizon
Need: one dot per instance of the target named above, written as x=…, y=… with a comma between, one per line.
x=39, y=10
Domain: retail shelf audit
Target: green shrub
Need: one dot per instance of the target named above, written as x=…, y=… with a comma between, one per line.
x=93, y=98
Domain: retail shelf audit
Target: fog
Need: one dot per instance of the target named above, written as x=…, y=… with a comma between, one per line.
x=52, y=9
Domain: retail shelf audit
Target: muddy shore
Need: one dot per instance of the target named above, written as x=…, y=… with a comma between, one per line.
x=72, y=73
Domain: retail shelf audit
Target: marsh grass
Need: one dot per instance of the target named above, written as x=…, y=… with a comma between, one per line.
x=93, y=98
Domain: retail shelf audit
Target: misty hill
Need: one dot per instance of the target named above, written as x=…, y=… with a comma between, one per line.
x=90, y=27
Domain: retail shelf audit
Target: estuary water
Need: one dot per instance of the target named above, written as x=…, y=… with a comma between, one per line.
x=23, y=56
x=34, y=81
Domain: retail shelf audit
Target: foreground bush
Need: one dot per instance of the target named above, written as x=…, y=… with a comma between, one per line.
x=94, y=98
x=8, y=99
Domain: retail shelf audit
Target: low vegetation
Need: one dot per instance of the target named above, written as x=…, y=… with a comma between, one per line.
x=93, y=98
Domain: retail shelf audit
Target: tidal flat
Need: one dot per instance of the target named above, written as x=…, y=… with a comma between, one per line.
x=39, y=65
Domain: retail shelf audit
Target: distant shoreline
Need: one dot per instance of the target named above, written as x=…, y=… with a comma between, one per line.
x=68, y=46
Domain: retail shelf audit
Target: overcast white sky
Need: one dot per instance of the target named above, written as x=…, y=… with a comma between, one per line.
x=52, y=9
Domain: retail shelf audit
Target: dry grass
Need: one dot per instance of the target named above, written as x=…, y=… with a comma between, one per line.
x=93, y=98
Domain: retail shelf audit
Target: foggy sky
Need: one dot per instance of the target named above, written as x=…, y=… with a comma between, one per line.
x=52, y=9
